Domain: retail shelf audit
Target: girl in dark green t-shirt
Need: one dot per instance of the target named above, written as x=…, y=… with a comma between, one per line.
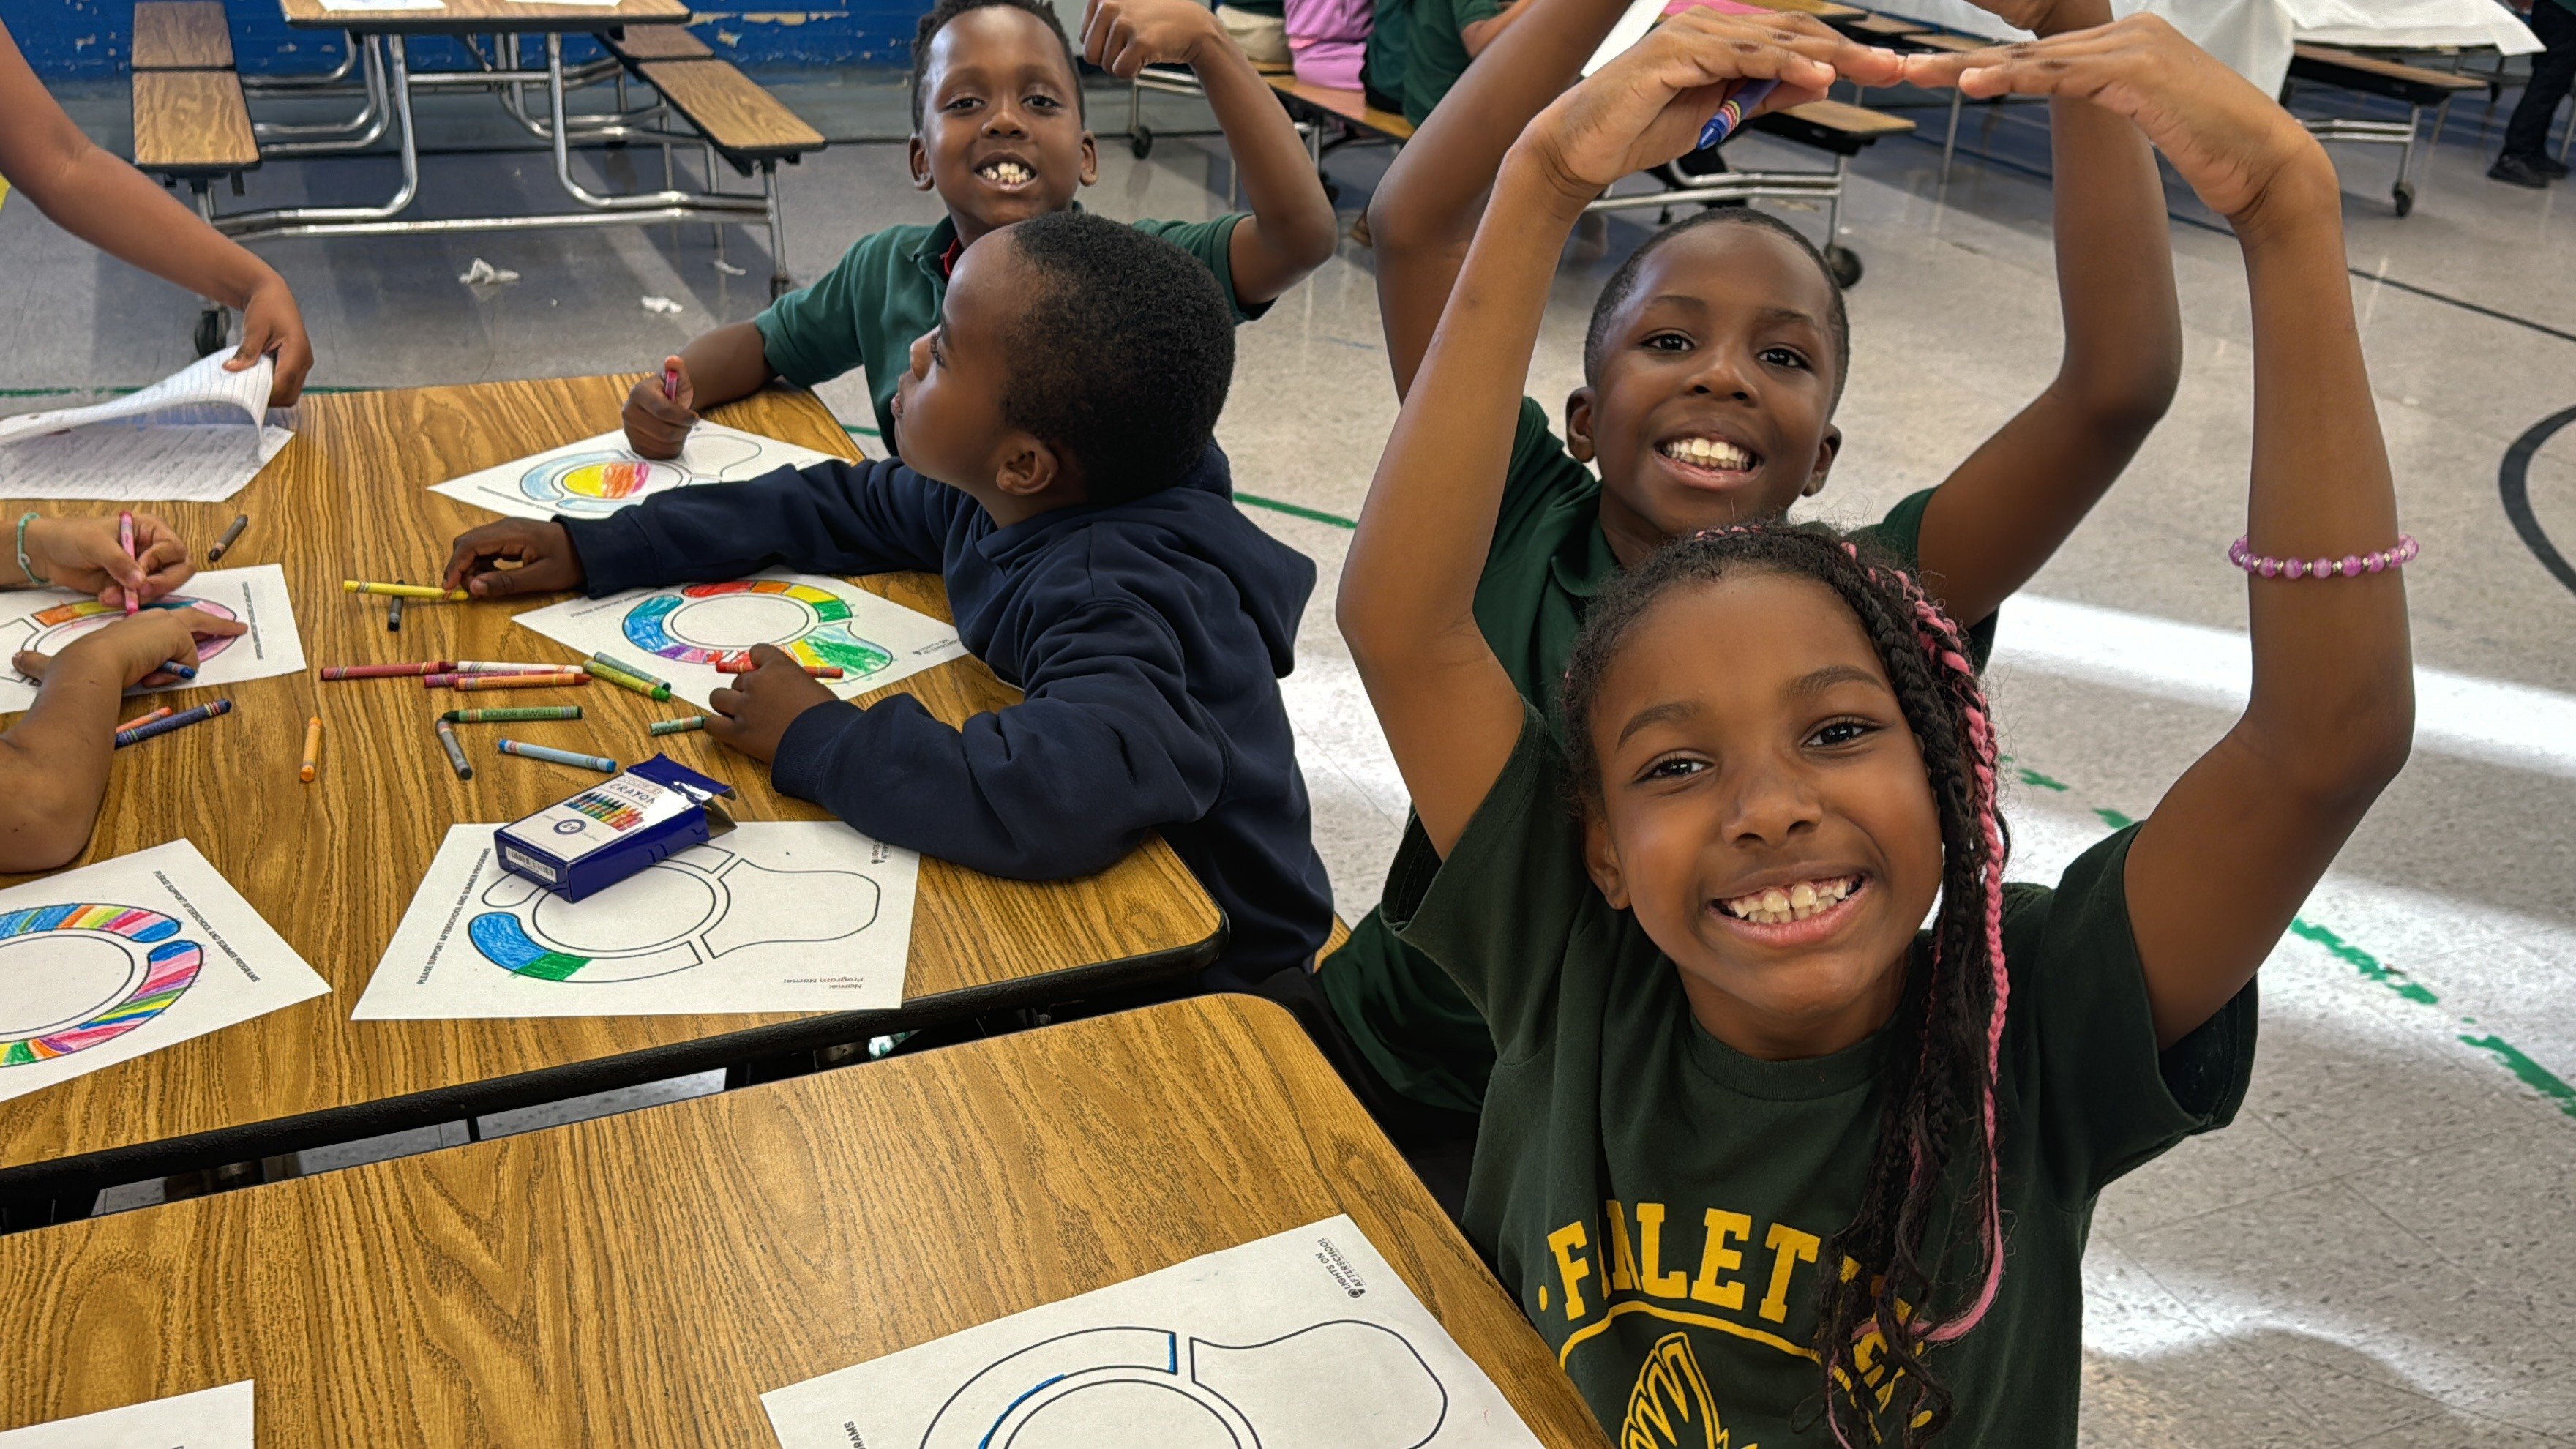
x=1760, y=1159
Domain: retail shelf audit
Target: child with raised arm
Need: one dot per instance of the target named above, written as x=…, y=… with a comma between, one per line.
x=1760, y=1155
x=997, y=131
x=54, y=760
x=1713, y=365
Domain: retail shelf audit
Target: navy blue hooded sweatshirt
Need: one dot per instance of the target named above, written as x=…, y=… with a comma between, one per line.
x=1149, y=638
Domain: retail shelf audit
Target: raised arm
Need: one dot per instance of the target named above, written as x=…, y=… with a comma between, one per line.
x=1408, y=585
x=1291, y=230
x=2241, y=838
x=118, y=210
x=2012, y=504
x=1426, y=208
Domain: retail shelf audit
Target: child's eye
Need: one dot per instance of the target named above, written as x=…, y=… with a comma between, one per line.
x=1043, y=103
x=937, y=357
x=1842, y=732
x=1666, y=342
x=1783, y=357
x=1672, y=767
x=961, y=103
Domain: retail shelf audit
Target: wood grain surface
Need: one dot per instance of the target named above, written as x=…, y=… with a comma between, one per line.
x=731, y=108
x=182, y=35
x=190, y=122
x=332, y=865
x=643, y=1279
x=659, y=42
x=511, y=16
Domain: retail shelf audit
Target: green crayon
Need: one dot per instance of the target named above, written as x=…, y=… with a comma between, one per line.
x=677, y=726
x=622, y=667
x=504, y=716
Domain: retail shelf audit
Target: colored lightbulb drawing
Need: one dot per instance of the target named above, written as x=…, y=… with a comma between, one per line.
x=48, y=630
x=73, y=976
x=596, y=483
x=694, y=908
x=703, y=623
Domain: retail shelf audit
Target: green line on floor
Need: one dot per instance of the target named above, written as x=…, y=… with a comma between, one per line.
x=2371, y=967
x=2535, y=1076
x=1298, y=510
x=123, y=391
x=861, y=432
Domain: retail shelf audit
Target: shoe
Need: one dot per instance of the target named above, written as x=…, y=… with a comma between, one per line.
x=2550, y=167
x=1360, y=230
x=2518, y=171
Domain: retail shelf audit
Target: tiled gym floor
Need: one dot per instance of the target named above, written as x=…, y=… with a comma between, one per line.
x=2376, y=1253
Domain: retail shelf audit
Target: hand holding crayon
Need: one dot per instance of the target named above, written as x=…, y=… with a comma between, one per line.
x=142, y=646
x=90, y=554
x=754, y=714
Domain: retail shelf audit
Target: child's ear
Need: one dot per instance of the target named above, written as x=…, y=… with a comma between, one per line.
x=1826, y=447
x=1090, y=159
x=1578, y=424
x=1029, y=467
x=918, y=157
x=1601, y=862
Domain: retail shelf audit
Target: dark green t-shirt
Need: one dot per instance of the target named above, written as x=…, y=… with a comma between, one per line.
x=1548, y=558
x=886, y=289
x=1435, y=53
x=1656, y=1199
x=1390, y=40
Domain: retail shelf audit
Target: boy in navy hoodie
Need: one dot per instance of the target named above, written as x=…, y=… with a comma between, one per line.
x=1059, y=473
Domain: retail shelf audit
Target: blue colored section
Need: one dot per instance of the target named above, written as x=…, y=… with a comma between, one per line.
x=175, y=948
x=500, y=938
x=94, y=39
x=42, y=918
x=149, y=934
x=644, y=625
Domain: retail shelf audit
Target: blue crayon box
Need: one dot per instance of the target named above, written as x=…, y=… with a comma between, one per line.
x=583, y=845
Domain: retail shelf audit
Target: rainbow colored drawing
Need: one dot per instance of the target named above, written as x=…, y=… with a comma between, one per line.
x=811, y=624
x=162, y=967
x=504, y=941
x=56, y=626
x=599, y=483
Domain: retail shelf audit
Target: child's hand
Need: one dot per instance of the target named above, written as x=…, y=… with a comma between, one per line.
x=2235, y=145
x=1647, y=106
x=543, y=552
x=1122, y=37
x=656, y=426
x=85, y=554
x=271, y=322
x=754, y=714
x=136, y=648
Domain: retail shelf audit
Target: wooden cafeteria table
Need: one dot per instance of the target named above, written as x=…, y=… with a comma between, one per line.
x=332, y=865
x=642, y=1279
x=479, y=16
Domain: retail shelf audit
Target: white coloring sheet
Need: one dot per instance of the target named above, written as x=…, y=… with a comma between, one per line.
x=680, y=631
x=197, y=435
x=793, y=915
x=1304, y=1340
x=207, y=1419
x=598, y=476
x=45, y=620
x=105, y=963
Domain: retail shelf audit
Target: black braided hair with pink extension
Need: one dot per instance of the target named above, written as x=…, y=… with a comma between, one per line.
x=1940, y=1111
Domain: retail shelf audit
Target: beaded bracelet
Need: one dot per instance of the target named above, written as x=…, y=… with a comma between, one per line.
x=24, y=566
x=2351, y=566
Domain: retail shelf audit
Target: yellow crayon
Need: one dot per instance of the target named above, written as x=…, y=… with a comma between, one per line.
x=404, y=591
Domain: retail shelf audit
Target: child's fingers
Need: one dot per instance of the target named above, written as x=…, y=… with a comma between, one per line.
x=30, y=663
x=728, y=704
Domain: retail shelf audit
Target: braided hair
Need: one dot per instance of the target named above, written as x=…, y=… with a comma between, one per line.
x=1879, y=1273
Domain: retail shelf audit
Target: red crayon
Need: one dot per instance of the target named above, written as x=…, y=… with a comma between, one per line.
x=125, y=540
x=741, y=664
x=519, y=681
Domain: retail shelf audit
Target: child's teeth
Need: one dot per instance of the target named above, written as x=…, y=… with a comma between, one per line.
x=1774, y=905
x=1708, y=453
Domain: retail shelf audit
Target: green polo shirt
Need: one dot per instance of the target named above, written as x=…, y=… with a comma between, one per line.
x=1435, y=52
x=1657, y=1200
x=1390, y=39
x=886, y=289
x=1549, y=557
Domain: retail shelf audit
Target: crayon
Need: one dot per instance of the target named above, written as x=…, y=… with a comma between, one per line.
x=677, y=726
x=624, y=680
x=312, y=747
x=404, y=591
x=511, y=666
x=179, y=721
x=393, y=616
x=1731, y=113
x=140, y=720
x=670, y=383
x=741, y=664
x=600, y=763
x=517, y=681
x=173, y=666
x=504, y=716
x=455, y=751
x=388, y=671
x=231, y=532
x=125, y=540
x=622, y=667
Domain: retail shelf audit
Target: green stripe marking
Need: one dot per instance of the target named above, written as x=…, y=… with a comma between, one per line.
x=2535, y=1076
x=2370, y=967
x=1296, y=510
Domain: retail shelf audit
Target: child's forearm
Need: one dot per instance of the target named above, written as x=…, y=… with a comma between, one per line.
x=1291, y=230
x=726, y=363
x=53, y=765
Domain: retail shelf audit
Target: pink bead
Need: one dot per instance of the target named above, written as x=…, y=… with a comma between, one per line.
x=2322, y=568
x=2292, y=568
x=2268, y=567
x=2375, y=562
x=2352, y=566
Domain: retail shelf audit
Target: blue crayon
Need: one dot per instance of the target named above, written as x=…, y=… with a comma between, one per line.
x=1731, y=113
x=181, y=720
x=173, y=666
x=600, y=763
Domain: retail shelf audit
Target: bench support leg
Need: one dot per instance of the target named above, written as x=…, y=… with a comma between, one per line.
x=1950, y=138
x=779, y=280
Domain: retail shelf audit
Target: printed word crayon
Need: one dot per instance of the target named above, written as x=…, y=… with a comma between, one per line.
x=511, y=666
x=234, y=531
x=140, y=720
x=676, y=726
x=404, y=591
x=179, y=721
x=388, y=671
x=173, y=666
x=518, y=681
x=455, y=751
x=505, y=716
x=393, y=616
x=312, y=747
x=600, y=763
x=124, y=540
x=624, y=680
x=622, y=667
x=741, y=664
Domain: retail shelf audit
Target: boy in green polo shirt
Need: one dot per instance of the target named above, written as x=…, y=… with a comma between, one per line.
x=998, y=132
x=1714, y=360
x=1445, y=36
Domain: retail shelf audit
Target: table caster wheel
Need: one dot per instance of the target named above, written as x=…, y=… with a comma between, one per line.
x=214, y=326
x=1141, y=144
x=2403, y=193
x=1844, y=263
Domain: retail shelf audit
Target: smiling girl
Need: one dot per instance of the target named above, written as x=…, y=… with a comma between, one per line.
x=1766, y=1162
